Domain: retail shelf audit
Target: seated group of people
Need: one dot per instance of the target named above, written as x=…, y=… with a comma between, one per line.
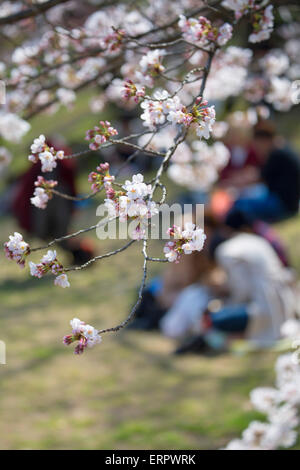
x=241, y=285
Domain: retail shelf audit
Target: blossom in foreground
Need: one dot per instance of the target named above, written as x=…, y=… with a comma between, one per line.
x=48, y=156
x=86, y=335
x=100, y=135
x=17, y=249
x=43, y=192
x=50, y=263
x=185, y=241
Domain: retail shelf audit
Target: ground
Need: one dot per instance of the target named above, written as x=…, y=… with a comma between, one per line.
x=127, y=393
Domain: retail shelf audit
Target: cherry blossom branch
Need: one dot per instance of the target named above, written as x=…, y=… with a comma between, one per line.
x=75, y=198
x=114, y=63
x=131, y=315
x=149, y=58
x=72, y=235
x=97, y=258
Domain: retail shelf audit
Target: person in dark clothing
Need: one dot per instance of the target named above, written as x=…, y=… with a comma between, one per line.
x=277, y=196
x=281, y=175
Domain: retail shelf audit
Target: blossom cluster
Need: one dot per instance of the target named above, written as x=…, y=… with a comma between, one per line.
x=185, y=241
x=47, y=155
x=101, y=177
x=201, y=31
x=280, y=404
x=43, y=192
x=17, y=249
x=132, y=203
x=163, y=108
x=49, y=263
x=86, y=335
x=100, y=135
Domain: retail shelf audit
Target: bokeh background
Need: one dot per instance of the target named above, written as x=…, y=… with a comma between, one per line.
x=130, y=392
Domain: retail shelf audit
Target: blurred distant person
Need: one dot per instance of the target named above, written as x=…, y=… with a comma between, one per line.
x=54, y=221
x=252, y=302
x=243, y=157
x=277, y=196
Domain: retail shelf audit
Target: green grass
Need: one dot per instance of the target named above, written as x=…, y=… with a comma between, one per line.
x=128, y=393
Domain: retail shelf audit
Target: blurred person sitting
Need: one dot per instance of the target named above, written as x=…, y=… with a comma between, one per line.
x=256, y=299
x=277, y=196
x=161, y=292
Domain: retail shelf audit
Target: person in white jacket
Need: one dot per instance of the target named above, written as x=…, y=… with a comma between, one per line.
x=260, y=293
x=259, y=286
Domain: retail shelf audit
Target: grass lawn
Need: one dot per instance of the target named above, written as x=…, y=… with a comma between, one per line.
x=128, y=393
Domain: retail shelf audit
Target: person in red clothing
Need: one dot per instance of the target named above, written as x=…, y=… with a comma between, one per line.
x=54, y=221
x=244, y=160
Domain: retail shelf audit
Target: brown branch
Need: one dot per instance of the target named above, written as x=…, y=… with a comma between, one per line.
x=131, y=315
x=36, y=10
x=97, y=258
